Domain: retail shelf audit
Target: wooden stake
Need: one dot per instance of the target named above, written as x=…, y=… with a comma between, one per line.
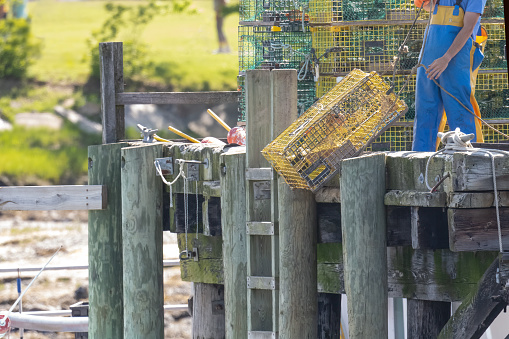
x=365, y=248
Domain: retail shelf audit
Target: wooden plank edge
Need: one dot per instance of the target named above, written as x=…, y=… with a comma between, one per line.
x=53, y=198
x=164, y=98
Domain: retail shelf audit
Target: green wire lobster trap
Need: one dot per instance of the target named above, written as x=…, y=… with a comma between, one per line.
x=369, y=48
x=339, y=125
x=279, y=11
x=331, y=11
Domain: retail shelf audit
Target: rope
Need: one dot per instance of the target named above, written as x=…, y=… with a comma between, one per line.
x=307, y=57
x=196, y=190
x=458, y=144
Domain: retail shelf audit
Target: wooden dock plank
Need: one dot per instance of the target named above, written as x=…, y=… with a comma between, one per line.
x=51, y=198
x=476, y=229
x=167, y=98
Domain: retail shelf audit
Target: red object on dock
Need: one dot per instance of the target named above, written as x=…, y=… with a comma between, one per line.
x=237, y=135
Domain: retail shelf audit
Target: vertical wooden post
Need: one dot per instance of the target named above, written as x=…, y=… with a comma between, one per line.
x=112, y=82
x=260, y=315
x=297, y=228
x=106, y=308
x=208, y=311
x=329, y=316
x=365, y=249
x=298, y=270
x=425, y=319
x=142, y=243
x=233, y=223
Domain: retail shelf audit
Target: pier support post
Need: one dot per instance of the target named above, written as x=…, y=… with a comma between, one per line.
x=208, y=311
x=298, y=301
x=106, y=310
x=425, y=319
x=142, y=237
x=233, y=223
x=365, y=245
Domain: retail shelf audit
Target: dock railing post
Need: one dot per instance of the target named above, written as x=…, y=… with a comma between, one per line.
x=142, y=243
x=296, y=210
x=112, y=82
x=363, y=223
x=106, y=304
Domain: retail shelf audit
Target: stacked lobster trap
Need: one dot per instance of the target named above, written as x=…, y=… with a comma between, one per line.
x=368, y=34
x=275, y=34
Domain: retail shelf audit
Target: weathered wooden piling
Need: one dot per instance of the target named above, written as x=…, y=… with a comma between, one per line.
x=425, y=319
x=208, y=311
x=233, y=223
x=296, y=212
x=106, y=310
x=112, y=83
x=365, y=246
x=142, y=243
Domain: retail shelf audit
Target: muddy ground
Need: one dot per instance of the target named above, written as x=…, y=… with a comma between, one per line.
x=29, y=239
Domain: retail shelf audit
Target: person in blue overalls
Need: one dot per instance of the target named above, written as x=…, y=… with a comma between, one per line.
x=452, y=58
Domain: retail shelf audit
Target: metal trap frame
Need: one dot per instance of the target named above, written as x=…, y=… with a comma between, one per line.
x=339, y=125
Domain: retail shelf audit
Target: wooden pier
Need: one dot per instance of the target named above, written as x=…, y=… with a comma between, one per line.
x=271, y=262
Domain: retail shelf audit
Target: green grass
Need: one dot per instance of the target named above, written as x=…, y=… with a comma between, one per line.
x=181, y=45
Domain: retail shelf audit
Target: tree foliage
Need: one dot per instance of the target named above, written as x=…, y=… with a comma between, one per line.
x=18, y=48
x=126, y=23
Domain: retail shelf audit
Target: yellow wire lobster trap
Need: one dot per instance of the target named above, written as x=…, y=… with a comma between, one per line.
x=339, y=125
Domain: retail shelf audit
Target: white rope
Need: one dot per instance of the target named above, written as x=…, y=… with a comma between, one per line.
x=196, y=188
x=460, y=142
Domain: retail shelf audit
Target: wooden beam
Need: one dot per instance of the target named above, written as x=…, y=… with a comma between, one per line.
x=233, y=223
x=436, y=275
x=476, y=229
x=429, y=228
x=167, y=98
x=53, y=198
x=112, y=83
x=142, y=242
x=328, y=195
x=364, y=237
x=208, y=311
x=415, y=198
x=329, y=316
x=473, y=172
x=106, y=304
x=478, y=309
x=425, y=319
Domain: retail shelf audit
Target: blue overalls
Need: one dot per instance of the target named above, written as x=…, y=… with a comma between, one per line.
x=458, y=79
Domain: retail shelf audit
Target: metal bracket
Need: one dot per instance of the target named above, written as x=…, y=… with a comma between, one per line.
x=218, y=307
x=193, y=172
x=166, y=165
x=186, y=254
x=261, y=190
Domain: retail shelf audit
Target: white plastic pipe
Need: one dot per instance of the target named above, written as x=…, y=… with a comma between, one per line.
x=50, y=324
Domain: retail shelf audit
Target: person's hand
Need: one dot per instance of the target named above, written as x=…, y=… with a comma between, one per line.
x=437, y=67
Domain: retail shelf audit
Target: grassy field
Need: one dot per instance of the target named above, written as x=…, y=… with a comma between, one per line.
x=182, y=45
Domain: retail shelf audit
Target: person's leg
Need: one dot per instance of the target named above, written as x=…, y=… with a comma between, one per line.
x=428, y=113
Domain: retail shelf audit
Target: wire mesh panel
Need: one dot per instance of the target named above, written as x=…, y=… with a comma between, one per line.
x=273, y=10
x=396, y=138
x=494, y=52
x=330, y=11
x=369, y=48
x=267, y=47
x=494, y=9
x=339, y=125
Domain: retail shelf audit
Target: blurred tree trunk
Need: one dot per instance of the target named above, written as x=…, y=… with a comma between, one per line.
x=219, y=6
